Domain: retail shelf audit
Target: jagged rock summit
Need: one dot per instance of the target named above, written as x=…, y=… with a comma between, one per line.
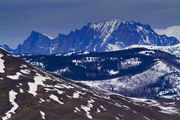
x=110, y=35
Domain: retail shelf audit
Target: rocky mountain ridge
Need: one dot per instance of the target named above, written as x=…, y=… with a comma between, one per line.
x=104, y=36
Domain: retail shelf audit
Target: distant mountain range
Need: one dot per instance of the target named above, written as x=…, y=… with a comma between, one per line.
x=7, y=48
x=110, y=35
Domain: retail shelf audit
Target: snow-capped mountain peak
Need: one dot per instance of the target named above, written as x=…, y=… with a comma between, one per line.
x=35, y=34
x=106, y=28
x=35, y=43
x=110, y=35
x=6, y=47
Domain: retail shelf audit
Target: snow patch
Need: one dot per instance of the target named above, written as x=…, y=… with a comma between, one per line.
x=42, y=115
x=25, y=71
x=21, y=90
x=113, y=47
x=55, y=98
x=14, y=77
x=87, y=108
x=76, y=94
x=12, y=97
x=38, y=80
x=113, y=72
x=2, y=67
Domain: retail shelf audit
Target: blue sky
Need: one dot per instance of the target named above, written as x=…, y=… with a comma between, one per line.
x=19, y=17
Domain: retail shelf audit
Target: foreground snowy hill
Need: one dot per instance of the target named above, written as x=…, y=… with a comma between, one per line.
x=110, y=35
x=32, y=94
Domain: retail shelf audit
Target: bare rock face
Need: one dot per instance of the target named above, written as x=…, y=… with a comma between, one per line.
x=28, y=93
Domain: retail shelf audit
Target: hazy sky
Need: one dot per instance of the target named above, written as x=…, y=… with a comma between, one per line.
x=19, y=17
